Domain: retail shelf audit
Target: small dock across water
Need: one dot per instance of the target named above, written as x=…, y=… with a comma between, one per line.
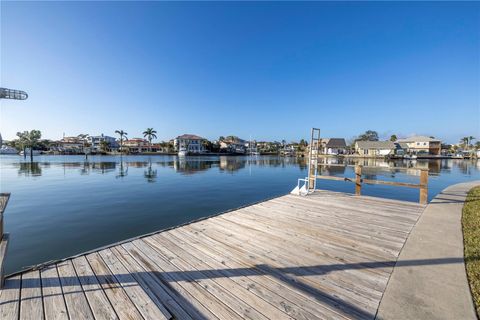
x=325, y=256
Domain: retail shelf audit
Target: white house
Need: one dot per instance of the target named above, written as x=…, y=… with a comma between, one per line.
x=374, y=148
x=95, y=142
x=333, y=146
x=192, y=143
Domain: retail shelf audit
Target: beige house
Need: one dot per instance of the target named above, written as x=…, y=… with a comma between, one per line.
x=234, y=145
x=374, y=148
x=138, y=145
x=70, y=145
x=421, y=145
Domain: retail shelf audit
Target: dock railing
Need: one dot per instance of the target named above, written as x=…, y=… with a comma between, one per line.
x=4, y=197
x=359, y=180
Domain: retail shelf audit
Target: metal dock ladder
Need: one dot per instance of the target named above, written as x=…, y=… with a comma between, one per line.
x=309, y=184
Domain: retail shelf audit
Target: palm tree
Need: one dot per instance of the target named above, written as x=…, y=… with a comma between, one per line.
x=31, y=140
x=104, y=145
x=122, y=134
x=83, y=137
x=22, y=142
x=150, y=134
x=470, y=139
x=464, y=141
x=207, y=145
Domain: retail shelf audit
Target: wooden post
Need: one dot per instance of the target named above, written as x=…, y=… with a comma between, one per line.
x=358, y=180
x=423, y=186
x=3, y=237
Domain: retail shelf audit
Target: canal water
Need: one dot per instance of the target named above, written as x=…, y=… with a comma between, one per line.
x=64, y=205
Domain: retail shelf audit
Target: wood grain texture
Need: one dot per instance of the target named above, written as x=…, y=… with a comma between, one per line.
x=325, y=256
x=53, y=301
x=31, y=305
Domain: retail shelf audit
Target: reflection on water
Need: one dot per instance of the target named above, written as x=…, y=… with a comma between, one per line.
x=63, y=205
x=188, y=166
x=194, y=165
x=30, y=168
x=150, y=174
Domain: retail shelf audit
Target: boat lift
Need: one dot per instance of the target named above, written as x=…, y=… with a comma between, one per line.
x=4, y=197
x=13, y=94
x=308, y=184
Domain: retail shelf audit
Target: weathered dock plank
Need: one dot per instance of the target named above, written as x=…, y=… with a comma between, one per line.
x=325, y=256
x=53, y=301
x=10, y=298
x=31, y=306
x=75, y=299
x=98, y=301
x=121, y=302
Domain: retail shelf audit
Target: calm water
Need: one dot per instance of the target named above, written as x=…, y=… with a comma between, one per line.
x=63, y=205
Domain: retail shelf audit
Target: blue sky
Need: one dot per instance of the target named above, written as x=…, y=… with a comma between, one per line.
x=261, y=69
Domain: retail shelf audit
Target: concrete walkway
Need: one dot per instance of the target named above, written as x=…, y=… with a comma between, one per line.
x=429, y=279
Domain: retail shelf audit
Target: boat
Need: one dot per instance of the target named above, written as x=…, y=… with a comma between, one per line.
x=239, y=150
x=410, y=157
x=182, y=152
x=27, y=152
x=8, y=150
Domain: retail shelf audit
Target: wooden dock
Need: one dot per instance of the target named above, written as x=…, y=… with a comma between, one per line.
x=325, y=256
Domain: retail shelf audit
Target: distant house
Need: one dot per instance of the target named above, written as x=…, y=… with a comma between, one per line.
x=446, y=149
x=192, y=143
x=401, y=148
x=69, y=145
x=422, y=145
x=96, y=142
x=375, y=148
x=333, y=146
x=233, y=145
x=139, y=145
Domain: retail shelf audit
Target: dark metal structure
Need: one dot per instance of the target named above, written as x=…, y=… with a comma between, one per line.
x=4, y=237
x=13, y=94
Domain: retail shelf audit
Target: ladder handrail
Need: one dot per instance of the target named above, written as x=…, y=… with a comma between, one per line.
x=313, y=159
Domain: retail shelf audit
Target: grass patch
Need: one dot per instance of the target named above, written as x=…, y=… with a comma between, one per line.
x=471, y=240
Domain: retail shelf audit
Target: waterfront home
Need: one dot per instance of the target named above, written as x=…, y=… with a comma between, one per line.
x=333, y=146
x=288, y=150
x=190, y=142
x=269, y=147
x=95, y=142
x=375, y=148
x=233, y=145
x=446, y=149
x=69, y=145
x=418, y=145
x=139, y=145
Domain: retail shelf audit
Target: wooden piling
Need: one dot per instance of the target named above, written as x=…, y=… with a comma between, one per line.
x=3, y=237
x=358, y=180
x=423, y=186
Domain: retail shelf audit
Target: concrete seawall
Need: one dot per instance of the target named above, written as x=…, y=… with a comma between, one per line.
x=429, y=280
